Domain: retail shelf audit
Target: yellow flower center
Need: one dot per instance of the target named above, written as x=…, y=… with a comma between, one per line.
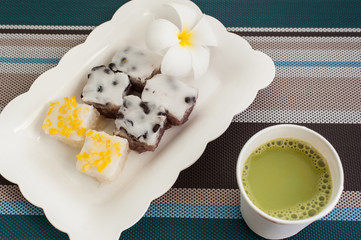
x=185, y=38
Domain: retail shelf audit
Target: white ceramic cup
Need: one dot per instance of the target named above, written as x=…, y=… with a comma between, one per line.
x=274, y=228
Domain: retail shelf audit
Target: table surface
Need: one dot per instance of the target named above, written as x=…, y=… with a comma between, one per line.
x=315, y=46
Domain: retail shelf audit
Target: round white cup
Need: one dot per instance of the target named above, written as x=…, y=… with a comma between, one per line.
x=274, y=228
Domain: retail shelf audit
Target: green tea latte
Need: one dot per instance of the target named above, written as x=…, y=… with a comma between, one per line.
x=287, y=179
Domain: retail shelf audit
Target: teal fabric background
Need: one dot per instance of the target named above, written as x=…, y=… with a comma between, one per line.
x=234, y=13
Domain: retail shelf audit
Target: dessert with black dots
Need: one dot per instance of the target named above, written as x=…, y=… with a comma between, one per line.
x=140, y=64
x=141, y=123
x=177, y=98
x=105, y=90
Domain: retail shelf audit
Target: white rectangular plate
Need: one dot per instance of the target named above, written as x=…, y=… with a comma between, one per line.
x=44, y=168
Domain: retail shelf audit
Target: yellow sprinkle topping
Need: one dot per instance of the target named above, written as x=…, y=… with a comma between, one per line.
x=99, y=156
x=53, y=131
x=54, y=104
x=117, y=148
x=185, y=37
x=62, y=110
x=81, y=131
x=97, y=138
x=50, y=111
x=89, y=133
x=108, y=144
x=46, y=124
x=65, y=131
x=69, y=119
x=60, y=124
x=82, y=156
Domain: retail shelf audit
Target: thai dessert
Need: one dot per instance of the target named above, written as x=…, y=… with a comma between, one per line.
x=102, y=156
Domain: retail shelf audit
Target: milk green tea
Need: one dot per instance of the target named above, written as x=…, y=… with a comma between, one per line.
x=287, y=179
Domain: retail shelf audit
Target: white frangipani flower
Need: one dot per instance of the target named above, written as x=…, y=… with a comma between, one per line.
x=184, y=44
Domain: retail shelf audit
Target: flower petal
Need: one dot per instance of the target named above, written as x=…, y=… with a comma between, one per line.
x=188, y=16
x=161, y=34
x=203, y=33
x=177, y=61
x=200, y=60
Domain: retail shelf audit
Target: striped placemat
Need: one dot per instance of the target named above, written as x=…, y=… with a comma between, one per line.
x=316, y=50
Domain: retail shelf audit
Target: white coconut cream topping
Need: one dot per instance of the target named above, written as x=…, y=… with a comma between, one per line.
x=136, y=62
x=141, y=119
x=175, y=96
x=105, y=86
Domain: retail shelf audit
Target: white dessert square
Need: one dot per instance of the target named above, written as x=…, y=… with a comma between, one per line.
x=102, y=156
x=177, y=98
x=105, y=90
x=142, y=123
x=139, y=63
x=67, y=121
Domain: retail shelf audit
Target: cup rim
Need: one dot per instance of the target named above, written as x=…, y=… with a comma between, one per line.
x=316, y=217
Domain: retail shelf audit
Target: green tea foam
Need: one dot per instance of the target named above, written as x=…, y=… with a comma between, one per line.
x=287, y=179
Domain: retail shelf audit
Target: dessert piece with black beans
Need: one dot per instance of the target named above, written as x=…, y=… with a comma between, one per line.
x=105, y=90
x=177, y=98
x=139, y=64
x=141, y=123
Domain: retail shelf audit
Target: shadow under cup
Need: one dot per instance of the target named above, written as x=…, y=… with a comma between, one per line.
x=275, y=228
